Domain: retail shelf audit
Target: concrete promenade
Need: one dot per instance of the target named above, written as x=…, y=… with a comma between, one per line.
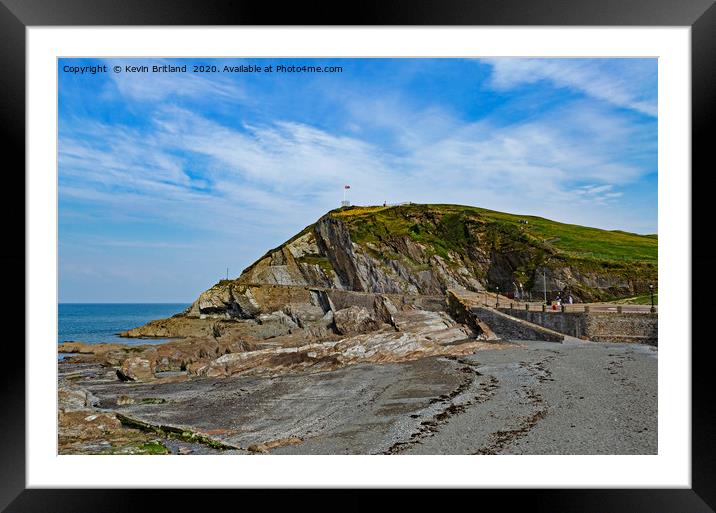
x=517, y=321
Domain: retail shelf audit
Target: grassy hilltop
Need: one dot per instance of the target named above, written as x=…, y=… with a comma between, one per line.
x=448, y=227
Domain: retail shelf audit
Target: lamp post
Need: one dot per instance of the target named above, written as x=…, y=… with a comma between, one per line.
x=651, y=291
x=497, y=296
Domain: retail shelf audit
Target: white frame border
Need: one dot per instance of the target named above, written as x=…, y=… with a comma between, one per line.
x=672, y=466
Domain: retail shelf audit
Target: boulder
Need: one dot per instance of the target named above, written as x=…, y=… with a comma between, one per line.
x=385, y=309
x=278, y=317
x=303, y=314
x=355, y=319
x=328, y=318
x=137, y=369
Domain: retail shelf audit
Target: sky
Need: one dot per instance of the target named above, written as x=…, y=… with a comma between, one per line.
x=167, y=179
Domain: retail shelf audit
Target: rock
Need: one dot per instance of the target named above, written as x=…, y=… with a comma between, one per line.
x=328, y=318
x=260, y=361
x=424, y=334
x=137, y=369
x=93, y=432
x=303, y=246
x=72, y=399
x=85, y=425
x=84, y=348
x=391, y=346
x=279, y=317
x=123, y=399
x=385, y=309
x=304, y=314
x=176, y=326
x=422, y=321
x=354, y=319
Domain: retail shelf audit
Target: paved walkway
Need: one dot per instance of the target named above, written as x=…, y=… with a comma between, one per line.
x=491, y=299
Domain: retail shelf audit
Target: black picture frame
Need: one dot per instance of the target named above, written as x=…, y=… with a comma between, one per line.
x=17, y=15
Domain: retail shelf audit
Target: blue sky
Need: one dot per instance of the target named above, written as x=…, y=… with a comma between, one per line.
x=165, y=180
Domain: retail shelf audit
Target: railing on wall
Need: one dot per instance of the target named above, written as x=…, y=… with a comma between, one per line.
x=576, y=307
x=504, y=303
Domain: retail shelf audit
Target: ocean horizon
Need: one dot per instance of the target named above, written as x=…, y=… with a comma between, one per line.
x=95, y=323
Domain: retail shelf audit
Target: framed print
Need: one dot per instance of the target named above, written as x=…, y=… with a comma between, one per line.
x=415, y=249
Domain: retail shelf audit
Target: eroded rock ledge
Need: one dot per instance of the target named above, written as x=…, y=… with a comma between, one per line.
x=298, y=337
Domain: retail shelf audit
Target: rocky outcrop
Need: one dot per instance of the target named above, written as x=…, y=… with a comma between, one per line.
x=376, y=347
x=178, y=326
x=300, y=337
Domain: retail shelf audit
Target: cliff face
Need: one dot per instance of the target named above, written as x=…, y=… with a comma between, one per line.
x=426, y=249
x=327, y=256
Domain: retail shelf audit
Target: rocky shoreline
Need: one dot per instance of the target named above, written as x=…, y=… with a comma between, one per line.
x=299, y=339
x=393, y=379
x=527, y=398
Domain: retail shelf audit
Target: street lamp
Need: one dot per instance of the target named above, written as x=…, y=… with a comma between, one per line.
x=497, y=296
x=651, y=291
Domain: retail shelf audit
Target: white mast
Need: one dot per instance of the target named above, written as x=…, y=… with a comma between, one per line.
x=345, y=202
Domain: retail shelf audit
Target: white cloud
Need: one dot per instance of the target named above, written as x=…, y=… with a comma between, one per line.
x=275, y=178
x=620, y=83
x=596, y=194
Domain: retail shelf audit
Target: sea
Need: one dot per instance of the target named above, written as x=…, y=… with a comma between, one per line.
x=100, y=322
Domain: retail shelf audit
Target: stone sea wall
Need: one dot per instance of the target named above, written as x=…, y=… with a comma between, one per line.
x=510, y=328
x=597, y=326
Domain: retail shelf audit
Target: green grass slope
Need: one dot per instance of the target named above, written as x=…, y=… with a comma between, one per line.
x=449, y=227
x=603, y=264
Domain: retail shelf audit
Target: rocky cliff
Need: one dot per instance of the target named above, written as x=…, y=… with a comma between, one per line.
x=426, y=249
